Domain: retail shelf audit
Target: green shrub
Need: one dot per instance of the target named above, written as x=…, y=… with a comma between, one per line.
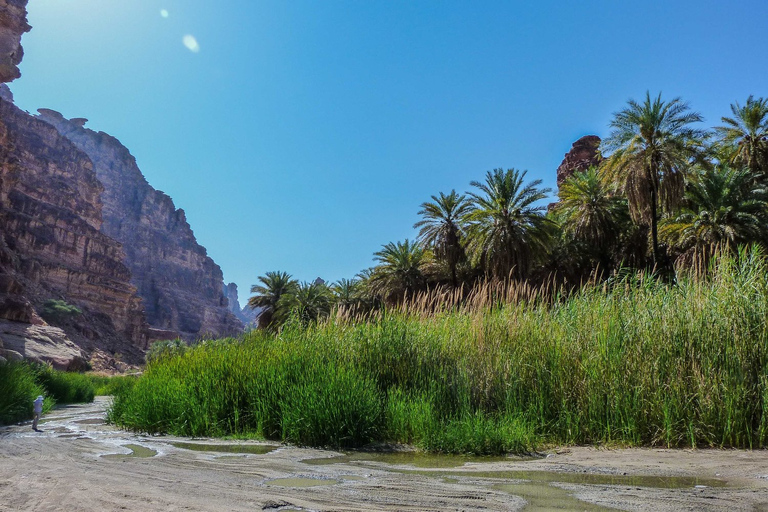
x=111, y=385
x=165, y=348
x=58, y=311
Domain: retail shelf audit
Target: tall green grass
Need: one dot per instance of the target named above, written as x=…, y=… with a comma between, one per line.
x=22, y=382
x=636, y=362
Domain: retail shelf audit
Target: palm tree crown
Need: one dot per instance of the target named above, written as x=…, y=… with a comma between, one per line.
x=442, y=228
x=273, y=294
x=652, y=145
x=506, y=228
x=589, y=212
x=722, y=206
x=745, y=135
x=399, y=271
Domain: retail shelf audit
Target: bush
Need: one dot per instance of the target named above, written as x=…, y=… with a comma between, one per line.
x=58, y=311
x=112, y=385
x=165, y=348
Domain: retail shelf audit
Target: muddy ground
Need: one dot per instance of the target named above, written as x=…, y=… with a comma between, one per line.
x=79, y=463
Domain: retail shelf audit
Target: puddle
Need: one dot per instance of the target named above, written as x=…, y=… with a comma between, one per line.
x=417, y=459
x=136, y=451
x=257, y=449
x=301, y=482
x=92, y=421
x=545, y=497
x=659, y=482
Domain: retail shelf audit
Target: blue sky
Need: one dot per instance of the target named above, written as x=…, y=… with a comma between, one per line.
x=303, y=135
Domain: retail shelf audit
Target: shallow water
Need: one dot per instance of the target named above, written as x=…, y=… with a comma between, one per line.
x=417, y=459
x=301, y=482
x=257, y=449
x=136, y=451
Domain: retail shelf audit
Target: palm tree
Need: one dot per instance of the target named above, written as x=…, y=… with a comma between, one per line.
x=590, y=213
x=745, y=137
x=274, y=294
x=399, y=271
x=442, y=228
x=723, y=206
x=506, y=228
x=652, y=145
x=312, y=302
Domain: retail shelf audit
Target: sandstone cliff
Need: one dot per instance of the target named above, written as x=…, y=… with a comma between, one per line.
x=246, y=315
x=13, y=23
x=181, y=286
x=584, y=154
x=51, y=246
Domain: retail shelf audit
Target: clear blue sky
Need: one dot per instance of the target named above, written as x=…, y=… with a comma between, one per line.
x=303, y=135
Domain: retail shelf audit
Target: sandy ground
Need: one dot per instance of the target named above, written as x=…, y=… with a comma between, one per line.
x=65, y=468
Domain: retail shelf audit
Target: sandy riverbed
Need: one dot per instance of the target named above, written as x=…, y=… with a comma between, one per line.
x=78, y=463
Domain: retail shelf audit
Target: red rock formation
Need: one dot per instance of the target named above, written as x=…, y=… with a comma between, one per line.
x=51, y=246
x=181, y=286
x=584, y=154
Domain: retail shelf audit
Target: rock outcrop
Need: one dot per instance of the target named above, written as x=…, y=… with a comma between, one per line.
x=584, y=154
x=246, y=315
x=51, y=246
x=13, y=24
x=181, y=286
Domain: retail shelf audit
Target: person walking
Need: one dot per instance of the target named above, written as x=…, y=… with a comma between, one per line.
x=37, y=408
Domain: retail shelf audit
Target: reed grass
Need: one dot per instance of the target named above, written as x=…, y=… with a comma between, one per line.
x=635, y=362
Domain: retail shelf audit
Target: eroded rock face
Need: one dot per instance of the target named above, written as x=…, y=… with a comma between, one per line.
x=584, y=154
x=51, y=246
x=246, y=315
x=181, y=286
x=13, y=24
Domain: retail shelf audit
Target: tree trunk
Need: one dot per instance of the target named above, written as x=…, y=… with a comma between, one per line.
x=654, y=228
x=453, y=276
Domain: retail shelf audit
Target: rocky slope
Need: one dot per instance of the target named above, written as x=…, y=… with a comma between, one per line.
x=181, y=286
x=584, y=154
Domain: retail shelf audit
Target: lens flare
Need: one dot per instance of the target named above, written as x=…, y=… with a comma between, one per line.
x=191, y=43
x=164, y=13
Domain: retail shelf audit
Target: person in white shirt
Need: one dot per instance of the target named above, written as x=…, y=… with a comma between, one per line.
x=37, y=407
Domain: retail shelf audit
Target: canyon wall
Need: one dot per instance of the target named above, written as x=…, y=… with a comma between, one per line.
x=181, y=285
x=246, y=314
x=51, y=245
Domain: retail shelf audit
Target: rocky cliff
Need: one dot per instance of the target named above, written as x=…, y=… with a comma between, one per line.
x=13, y=23
x=181, y=286
x=246, y=315
x=51, y=245
x=584, y=154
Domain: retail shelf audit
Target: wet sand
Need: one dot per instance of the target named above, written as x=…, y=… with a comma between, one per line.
x=79, y=463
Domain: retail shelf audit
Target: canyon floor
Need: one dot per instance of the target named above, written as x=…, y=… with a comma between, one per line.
x=80, y=463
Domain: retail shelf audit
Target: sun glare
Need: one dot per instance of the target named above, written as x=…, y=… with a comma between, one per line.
x=164, y=13
x=191, y=43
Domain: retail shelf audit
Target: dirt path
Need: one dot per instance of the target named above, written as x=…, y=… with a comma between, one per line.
x=69, y=467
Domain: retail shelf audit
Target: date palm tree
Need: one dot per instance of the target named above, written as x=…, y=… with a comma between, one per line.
x=723, y=206
x=506, y=227
x=651, y=146
x=312, y=302
x=590, y=212
x=399, y=271
x=744, y=138
x=442, y=228
x=274, y=295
